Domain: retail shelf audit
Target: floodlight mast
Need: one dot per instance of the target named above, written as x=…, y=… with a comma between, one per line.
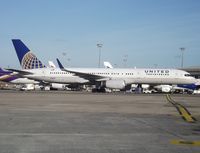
x=99, y=46
x=182, y=55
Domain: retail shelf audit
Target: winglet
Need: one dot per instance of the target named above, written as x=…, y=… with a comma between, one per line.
x=59, y=64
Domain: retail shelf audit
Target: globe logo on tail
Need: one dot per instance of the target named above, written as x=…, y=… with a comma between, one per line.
x=30, y=61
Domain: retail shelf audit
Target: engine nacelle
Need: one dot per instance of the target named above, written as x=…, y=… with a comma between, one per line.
x=145, y=86
x=166, y=89
x=163, y=88
x=58, y=86
x=115, y=84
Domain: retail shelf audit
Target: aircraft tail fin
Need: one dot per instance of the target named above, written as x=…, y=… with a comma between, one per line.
x=59, y=64
x=107, y=65
x=26, y=58
x=51, y=64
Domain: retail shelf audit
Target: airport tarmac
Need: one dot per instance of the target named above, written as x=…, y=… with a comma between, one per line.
x=80, y=122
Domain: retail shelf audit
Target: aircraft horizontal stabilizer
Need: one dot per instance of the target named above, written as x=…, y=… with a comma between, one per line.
x=20, y=72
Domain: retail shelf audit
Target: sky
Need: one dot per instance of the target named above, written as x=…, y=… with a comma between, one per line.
x=134, y=33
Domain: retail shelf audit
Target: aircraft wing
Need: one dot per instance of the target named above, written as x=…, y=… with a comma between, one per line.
x=90, y=77
x=20, y=72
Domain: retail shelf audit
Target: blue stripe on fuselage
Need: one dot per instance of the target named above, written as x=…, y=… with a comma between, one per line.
x=188, y=86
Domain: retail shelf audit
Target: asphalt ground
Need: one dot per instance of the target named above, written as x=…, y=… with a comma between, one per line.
x=80, y=122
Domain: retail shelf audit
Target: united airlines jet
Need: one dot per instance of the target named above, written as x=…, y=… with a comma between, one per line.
x=115, y=78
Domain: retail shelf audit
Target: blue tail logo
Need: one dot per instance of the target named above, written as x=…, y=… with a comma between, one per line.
x=27, y=59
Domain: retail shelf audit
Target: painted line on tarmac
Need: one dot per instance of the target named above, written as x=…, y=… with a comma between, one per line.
x=185, y=114
x=169, y=98
x=185, y=142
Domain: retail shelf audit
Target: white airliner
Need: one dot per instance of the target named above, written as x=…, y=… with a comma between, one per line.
x=114, y=78
x=164, y=88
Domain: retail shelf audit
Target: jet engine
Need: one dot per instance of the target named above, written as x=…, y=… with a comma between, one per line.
x=58, y=86
x=115, y=84
x=163, y=88
x=166, y=89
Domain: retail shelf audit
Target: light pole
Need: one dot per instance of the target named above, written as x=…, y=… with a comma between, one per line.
x=64, y=55
x=67, y=60
x=99, y=46
x=125, y=59
x=182, y=54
